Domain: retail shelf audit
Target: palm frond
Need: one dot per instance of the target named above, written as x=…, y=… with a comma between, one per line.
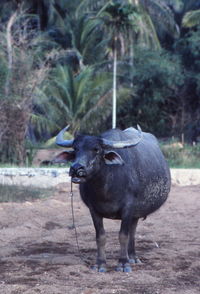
x=190, y=5
x=90, y=26
x=162, y=14
x=191, y=19
x=55, y=19
x=147, y=35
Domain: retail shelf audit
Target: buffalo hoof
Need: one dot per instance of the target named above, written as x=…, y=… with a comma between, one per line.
x=99, y=268
x=126, y=268
x=135, y=260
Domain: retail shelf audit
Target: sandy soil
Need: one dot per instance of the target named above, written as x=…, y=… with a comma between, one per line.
x=38, y=252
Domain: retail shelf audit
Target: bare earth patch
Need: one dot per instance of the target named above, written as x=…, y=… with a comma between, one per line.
x=38, y=251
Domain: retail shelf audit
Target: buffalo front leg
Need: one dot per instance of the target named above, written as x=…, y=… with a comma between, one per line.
x=131, y=245
x=124, y=265
x=100, y=241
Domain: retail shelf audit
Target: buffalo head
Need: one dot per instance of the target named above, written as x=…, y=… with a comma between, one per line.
x=90, y=152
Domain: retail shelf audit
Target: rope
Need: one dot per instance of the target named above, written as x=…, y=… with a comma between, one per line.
x=74, y=224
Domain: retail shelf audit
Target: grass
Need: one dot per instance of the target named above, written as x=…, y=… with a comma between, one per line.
x=7, y=165
x=181, y=156
x=16, y=193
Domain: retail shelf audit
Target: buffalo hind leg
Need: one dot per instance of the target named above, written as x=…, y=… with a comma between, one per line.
x=100, y=265
x=124, y=265
x=131, y=246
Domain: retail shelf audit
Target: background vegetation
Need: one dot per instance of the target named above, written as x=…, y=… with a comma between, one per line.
x=56, y=68
x=16, y=193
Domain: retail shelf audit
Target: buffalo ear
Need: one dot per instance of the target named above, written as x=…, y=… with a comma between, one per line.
x=112, y=157
x=64, y=157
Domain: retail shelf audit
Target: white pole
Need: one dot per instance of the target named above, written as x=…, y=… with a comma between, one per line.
x=114, y=101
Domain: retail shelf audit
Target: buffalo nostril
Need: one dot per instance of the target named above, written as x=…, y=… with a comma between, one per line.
x=81, y=173
x=77, y=170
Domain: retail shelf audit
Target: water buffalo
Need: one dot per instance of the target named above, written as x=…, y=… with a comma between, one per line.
x=122, y=175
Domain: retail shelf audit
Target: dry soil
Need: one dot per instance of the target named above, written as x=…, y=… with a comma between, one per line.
x=38, y=252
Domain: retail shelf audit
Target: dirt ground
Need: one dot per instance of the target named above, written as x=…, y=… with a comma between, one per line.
x=38, y=252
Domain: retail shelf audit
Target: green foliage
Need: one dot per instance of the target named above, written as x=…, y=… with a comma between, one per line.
x=162, y=17
x=119, y=15
x=3, y=73
x=191, y=19
x=157, y=78
x=22, y=72
x=98, y=118
x=190, y=5
x=180, y=156
x=188, y=47
x=66, y=98
x=56, y=68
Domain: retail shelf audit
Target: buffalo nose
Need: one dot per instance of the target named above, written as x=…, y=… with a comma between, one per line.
x=77, y=169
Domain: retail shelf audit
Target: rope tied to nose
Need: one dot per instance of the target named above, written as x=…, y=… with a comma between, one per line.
x=73, y=222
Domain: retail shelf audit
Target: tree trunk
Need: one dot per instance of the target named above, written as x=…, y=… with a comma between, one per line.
x=9, y=49
x=12, y=140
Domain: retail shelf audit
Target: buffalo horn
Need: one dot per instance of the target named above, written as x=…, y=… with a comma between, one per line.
x=60, y=141
x=123, y=144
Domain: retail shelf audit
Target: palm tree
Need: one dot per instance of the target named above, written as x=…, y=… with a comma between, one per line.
x=116, y=20
x=125, y=24
x=67, y=98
